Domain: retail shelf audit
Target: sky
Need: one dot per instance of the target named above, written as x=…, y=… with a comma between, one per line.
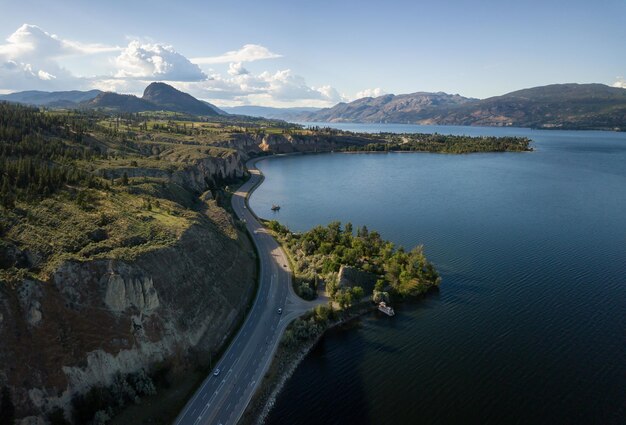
x=310, y=53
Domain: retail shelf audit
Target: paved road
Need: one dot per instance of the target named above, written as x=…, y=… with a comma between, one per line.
x=222, y=399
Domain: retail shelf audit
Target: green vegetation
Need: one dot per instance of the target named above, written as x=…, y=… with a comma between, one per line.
x=319, y=254
x=444, y=144
x=86, y=185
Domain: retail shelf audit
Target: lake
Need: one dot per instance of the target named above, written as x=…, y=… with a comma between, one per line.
x=529, y=324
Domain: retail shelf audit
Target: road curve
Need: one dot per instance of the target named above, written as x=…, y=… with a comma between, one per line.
x=222, y=399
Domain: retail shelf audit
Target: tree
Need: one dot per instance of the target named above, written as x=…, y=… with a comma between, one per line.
x=331, y=287
x=357, y=293
x=125, y=179
x=380, y=285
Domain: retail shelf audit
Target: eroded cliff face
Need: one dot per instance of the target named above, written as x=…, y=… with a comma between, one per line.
x=195, y=174
x=93, y=319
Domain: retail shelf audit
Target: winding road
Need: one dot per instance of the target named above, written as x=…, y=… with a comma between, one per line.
x=222, y=398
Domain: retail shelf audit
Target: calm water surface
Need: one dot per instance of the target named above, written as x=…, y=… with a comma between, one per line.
x=529, y=325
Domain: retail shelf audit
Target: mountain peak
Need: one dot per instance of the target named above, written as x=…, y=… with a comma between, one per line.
x=172, y=99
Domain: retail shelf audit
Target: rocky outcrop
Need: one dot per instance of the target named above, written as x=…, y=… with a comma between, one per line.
x=124, y=292
x=196, y=174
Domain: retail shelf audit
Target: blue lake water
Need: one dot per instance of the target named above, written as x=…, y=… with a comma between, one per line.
x=529, y=325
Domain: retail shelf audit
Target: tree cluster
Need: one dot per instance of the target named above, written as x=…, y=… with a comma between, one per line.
x=321, y=251
x=38, y=152
x=391, y=142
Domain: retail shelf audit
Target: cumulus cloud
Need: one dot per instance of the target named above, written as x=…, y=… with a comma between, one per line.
x=237, y=69
x=31, y=41
x=280, y=88
x=156, y=61
x=620, y=82
x=248, y=53
x=29, y=59
x=370, y=93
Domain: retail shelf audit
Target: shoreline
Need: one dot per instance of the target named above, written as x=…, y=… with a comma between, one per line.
x=265, y=398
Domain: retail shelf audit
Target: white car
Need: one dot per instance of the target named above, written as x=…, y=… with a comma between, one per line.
x=216, y=372
x=280, y=311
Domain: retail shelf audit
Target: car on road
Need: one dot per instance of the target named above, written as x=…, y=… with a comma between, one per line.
x=216, y=372
x=280, y=311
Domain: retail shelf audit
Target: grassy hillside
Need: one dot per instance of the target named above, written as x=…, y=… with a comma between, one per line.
x=89, y=186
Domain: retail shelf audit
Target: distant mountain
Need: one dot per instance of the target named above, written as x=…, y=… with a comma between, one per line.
x=387, y=108
x=215, y=108
x=120, y=102
x=171, y=99
x=52, y=99
x=156, y=97
x=572, y=106
x=287, y=114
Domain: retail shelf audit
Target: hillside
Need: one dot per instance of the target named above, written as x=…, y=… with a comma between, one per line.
x=387, y=108
x=170, y=99
x=571, y=106
x=120, y=103
x=43, y=98
x=156, y=97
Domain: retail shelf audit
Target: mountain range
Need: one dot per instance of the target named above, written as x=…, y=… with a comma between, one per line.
x=572, y=106
x=287, y=114
x=567, y=106
x=156, y=97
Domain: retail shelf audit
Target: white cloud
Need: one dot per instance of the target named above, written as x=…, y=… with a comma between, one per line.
x=248, y=53
x=237, y=69
x=620, y=82
x=280, y=88
x=30, y=41
x=370, y=93
x=155, y=61
x=29, y=60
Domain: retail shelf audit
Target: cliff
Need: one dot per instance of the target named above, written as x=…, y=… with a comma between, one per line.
x=91, y=320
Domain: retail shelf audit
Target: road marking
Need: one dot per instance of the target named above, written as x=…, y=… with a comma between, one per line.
x=204, y=411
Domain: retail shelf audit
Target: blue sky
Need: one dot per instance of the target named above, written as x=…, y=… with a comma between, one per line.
x=310, y=52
